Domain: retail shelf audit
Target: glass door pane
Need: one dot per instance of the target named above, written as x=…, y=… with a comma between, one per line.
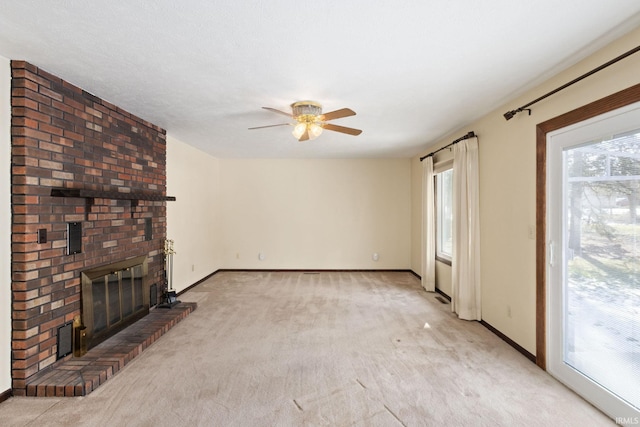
x=138, y=287
x=602, y=263
x=99, y=292
x=113, y=293
x=127, y=293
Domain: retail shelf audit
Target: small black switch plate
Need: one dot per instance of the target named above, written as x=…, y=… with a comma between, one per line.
x=42, y=235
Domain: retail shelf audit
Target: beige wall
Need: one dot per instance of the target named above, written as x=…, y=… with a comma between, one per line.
x=316, y=214
x=5, y=225
x=507, y=186
x=193, y=219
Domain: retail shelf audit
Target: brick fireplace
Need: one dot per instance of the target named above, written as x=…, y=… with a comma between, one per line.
x=88, y=189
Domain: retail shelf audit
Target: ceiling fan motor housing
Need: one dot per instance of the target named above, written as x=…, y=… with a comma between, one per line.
x=306, y=111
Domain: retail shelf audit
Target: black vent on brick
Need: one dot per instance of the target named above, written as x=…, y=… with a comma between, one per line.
x=74, y=238
x=65, y=339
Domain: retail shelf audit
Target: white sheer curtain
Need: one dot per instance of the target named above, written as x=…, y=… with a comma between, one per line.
x=466, y=298
x=428, y=226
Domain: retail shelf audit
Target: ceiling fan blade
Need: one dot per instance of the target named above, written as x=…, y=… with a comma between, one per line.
x=343, y=112
x=342, y=129
x=270, y=126
x=278, y=111
x=305, y=136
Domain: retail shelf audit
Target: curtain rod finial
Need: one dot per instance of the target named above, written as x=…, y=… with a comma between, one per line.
x=509, y=114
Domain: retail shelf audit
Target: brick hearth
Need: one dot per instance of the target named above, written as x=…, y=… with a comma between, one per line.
x=79, y=376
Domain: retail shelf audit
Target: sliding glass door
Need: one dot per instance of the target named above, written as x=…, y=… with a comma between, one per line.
x=593, y=193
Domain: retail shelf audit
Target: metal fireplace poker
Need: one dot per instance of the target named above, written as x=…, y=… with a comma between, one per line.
x=170, y=297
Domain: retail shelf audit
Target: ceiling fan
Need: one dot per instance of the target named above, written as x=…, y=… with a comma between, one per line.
x=309, y=120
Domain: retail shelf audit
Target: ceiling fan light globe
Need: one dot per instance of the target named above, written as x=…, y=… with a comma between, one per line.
x=314, y=131
x=299, y=130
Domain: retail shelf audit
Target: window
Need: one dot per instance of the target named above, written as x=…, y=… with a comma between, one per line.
x=444, y=215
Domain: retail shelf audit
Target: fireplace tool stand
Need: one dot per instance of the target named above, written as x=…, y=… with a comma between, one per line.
x=170, y=297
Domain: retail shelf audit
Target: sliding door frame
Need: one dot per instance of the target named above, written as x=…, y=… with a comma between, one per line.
x=593, y=109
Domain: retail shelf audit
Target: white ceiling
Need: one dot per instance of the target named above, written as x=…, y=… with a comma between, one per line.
x=413, y=70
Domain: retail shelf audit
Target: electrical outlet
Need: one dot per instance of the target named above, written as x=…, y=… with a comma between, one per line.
x=509, y=311
x=375, y=256
x=193, y=267
x=237, y=255
x=532, y=232
x=261, y=256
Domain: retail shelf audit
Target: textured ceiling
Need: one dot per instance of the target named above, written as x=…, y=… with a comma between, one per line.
x=412, y=70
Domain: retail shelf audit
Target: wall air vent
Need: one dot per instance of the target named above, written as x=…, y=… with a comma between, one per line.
x=74, y=238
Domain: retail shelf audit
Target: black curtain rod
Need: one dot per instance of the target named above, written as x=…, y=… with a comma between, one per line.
x=509, y=114
x=467, y=136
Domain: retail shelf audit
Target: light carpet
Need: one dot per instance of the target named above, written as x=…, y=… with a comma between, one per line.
x=327, y=349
